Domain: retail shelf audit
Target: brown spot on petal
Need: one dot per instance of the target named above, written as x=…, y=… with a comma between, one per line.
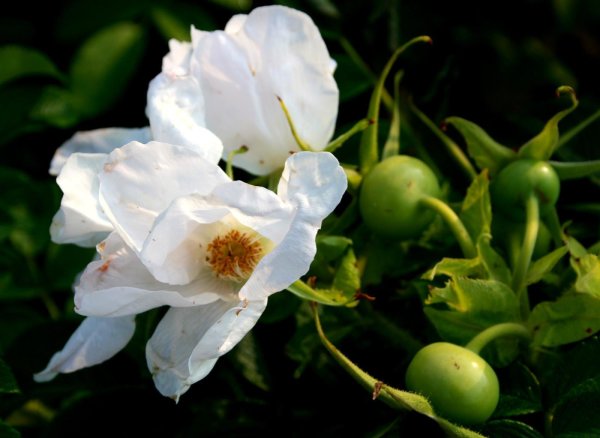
x=105, y=266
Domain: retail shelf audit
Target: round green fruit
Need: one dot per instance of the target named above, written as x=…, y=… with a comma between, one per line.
x=461, y=386
x=390, y=197
x=519, y=180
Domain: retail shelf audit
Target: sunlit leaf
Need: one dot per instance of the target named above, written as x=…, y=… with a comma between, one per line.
x=544, y=265
x=572, y=317
x=476, y=212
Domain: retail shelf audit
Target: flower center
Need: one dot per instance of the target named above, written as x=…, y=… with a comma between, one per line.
x=233, y=256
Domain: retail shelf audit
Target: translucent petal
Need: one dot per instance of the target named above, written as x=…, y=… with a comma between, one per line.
x=97, y=141
x=119, y=284
x=80, y=219
x=95, y=341
x=187, y=342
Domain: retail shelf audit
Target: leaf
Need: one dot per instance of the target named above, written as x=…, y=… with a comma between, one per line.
x=587, y=268
x=544, y=265
x=8, y=384
x=16, y=103
x=494, y=264
x=476, y=212
x=104, y=65
x=465, y=306
x=510, y=429
x=18, y=62
x=173, y=20
x=520, y=392
x=347, y=276
x=543, y=145
x=8, y=432
x=250, y=360
x=57, y=106
x=487, y=153
x=455, y=268
x=577, y=416
x=572, y=317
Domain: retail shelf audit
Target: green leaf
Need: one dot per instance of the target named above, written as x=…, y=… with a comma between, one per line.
x=104, y=65
x=544, y=265
x=587, y=268
x=249, y=359
x=572, y=317
x=347, y=276
x=8, y=384
x=464, y=307
x=510, y=429
x=455, y=268
x=173, y=20
x=493, y=263
x=18, y=62
x=16, y=103
x=577, y=416
x=476, y=212
x=543, y=145
x=520, y=392
x=487, y=153
x=8, y=432
x=58, y=107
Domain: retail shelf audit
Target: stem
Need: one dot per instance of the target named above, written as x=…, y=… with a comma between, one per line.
x=230, y=156
x=454, y=223
x=532, y=226
x=497, y=331
x=392, y=145
x=454, y=149
x=359, y=126
x=301, y=143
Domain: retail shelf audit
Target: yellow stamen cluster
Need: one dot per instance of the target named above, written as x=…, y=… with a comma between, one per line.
x=234, y=255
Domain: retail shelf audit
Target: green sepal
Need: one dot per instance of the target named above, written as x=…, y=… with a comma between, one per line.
x=487, y=152
x=476, y=212
x=369, y=146
x=543, y=145
x=573, y=170
x=573, y=317
x=544, y=265
x=392, y=144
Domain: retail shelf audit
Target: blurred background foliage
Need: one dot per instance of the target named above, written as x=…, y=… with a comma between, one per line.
x=77, y=65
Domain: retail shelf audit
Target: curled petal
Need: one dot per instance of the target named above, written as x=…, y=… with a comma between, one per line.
x=140, y=181
x=95, y=341
x=176, y=112
x=80, y=219
x=98, y=141
x=119, y=284
x=187, y=342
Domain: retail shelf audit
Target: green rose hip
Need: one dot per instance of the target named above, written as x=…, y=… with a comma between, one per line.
x=520, y=179
x=390, y=197
x=461, y=386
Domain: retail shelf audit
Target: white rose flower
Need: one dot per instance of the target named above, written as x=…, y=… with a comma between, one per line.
x=182, y=234
x=230, y=81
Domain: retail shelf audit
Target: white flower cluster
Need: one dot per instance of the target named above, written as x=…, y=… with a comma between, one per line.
x=170, y=227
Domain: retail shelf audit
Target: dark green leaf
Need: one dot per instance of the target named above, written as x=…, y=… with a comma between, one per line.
x=8, y=432
x=8, y=384
x=249, y=359
x=494, y=264
x=104, y=65
x=57, y=106
x=520, y=392
x=18, y=62
x=510, y=429
x=577, y=416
